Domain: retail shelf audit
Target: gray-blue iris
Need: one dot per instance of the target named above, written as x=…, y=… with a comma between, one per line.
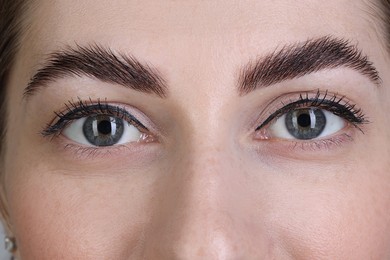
x=103, y=130
x=305, y=123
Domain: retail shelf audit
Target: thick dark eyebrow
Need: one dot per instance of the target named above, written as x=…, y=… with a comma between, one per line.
x=101, y=63
x=294, y=61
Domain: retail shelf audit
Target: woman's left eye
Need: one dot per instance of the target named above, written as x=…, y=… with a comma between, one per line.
x=306, y=124
x=102, y=130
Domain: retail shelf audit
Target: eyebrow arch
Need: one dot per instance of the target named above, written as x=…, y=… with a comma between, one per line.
x=294, y=61
x=98, y=62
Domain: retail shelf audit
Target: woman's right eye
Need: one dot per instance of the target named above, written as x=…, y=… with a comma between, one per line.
x=98, y=124
x=102, y=130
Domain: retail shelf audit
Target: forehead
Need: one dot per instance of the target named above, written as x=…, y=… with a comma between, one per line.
x=217, y=21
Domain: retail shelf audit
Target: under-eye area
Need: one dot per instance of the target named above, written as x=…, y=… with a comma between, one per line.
x=311, y=119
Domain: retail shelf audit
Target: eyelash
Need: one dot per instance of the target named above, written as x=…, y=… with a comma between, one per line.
x=80, y=109
x=332, y=103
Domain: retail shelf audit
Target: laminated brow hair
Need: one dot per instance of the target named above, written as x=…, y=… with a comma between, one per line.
x=100, y=63
x=297, y=60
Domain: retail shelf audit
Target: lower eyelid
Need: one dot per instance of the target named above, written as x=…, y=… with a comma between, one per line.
x=133, y=152
x=332, y=147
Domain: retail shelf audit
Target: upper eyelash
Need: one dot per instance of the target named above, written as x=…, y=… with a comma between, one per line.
x=80, y=109
x=332, y=103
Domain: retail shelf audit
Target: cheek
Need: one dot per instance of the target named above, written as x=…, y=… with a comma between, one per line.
x=338, y=220
x=62, y=216
x=325, y=212
x=59, y=216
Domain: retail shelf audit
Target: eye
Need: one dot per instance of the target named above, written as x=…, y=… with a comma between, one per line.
x=310, y=115
x=306, y=124
x=102, y=130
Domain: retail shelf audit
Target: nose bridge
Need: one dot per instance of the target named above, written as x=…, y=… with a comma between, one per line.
x=206, y=223
x=201, y=215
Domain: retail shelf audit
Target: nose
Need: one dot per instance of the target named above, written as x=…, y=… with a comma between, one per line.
x=204, y=210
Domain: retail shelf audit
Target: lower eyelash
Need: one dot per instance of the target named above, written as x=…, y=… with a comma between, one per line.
x=333, y=104
x=296, y=149
x=93, y=152
x=322, y=144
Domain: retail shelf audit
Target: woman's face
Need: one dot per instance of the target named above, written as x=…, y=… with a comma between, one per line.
x=200, y=130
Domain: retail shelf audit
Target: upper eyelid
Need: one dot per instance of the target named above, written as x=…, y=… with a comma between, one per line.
x=63, y=117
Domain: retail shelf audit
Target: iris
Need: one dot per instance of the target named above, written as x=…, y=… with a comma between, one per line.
x=103, y=130
x=306, y=123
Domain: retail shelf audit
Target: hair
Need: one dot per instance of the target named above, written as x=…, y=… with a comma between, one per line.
x=386, y=20
x=10, y=31
x=380, y=11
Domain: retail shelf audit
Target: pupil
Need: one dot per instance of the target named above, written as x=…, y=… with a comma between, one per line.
x=104, y=127
x=304, y=120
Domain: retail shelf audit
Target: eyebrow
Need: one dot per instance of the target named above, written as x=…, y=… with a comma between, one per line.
x=101, y=63
x=294, y=61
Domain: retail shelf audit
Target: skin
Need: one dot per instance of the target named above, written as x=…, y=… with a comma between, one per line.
x=206, y=188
